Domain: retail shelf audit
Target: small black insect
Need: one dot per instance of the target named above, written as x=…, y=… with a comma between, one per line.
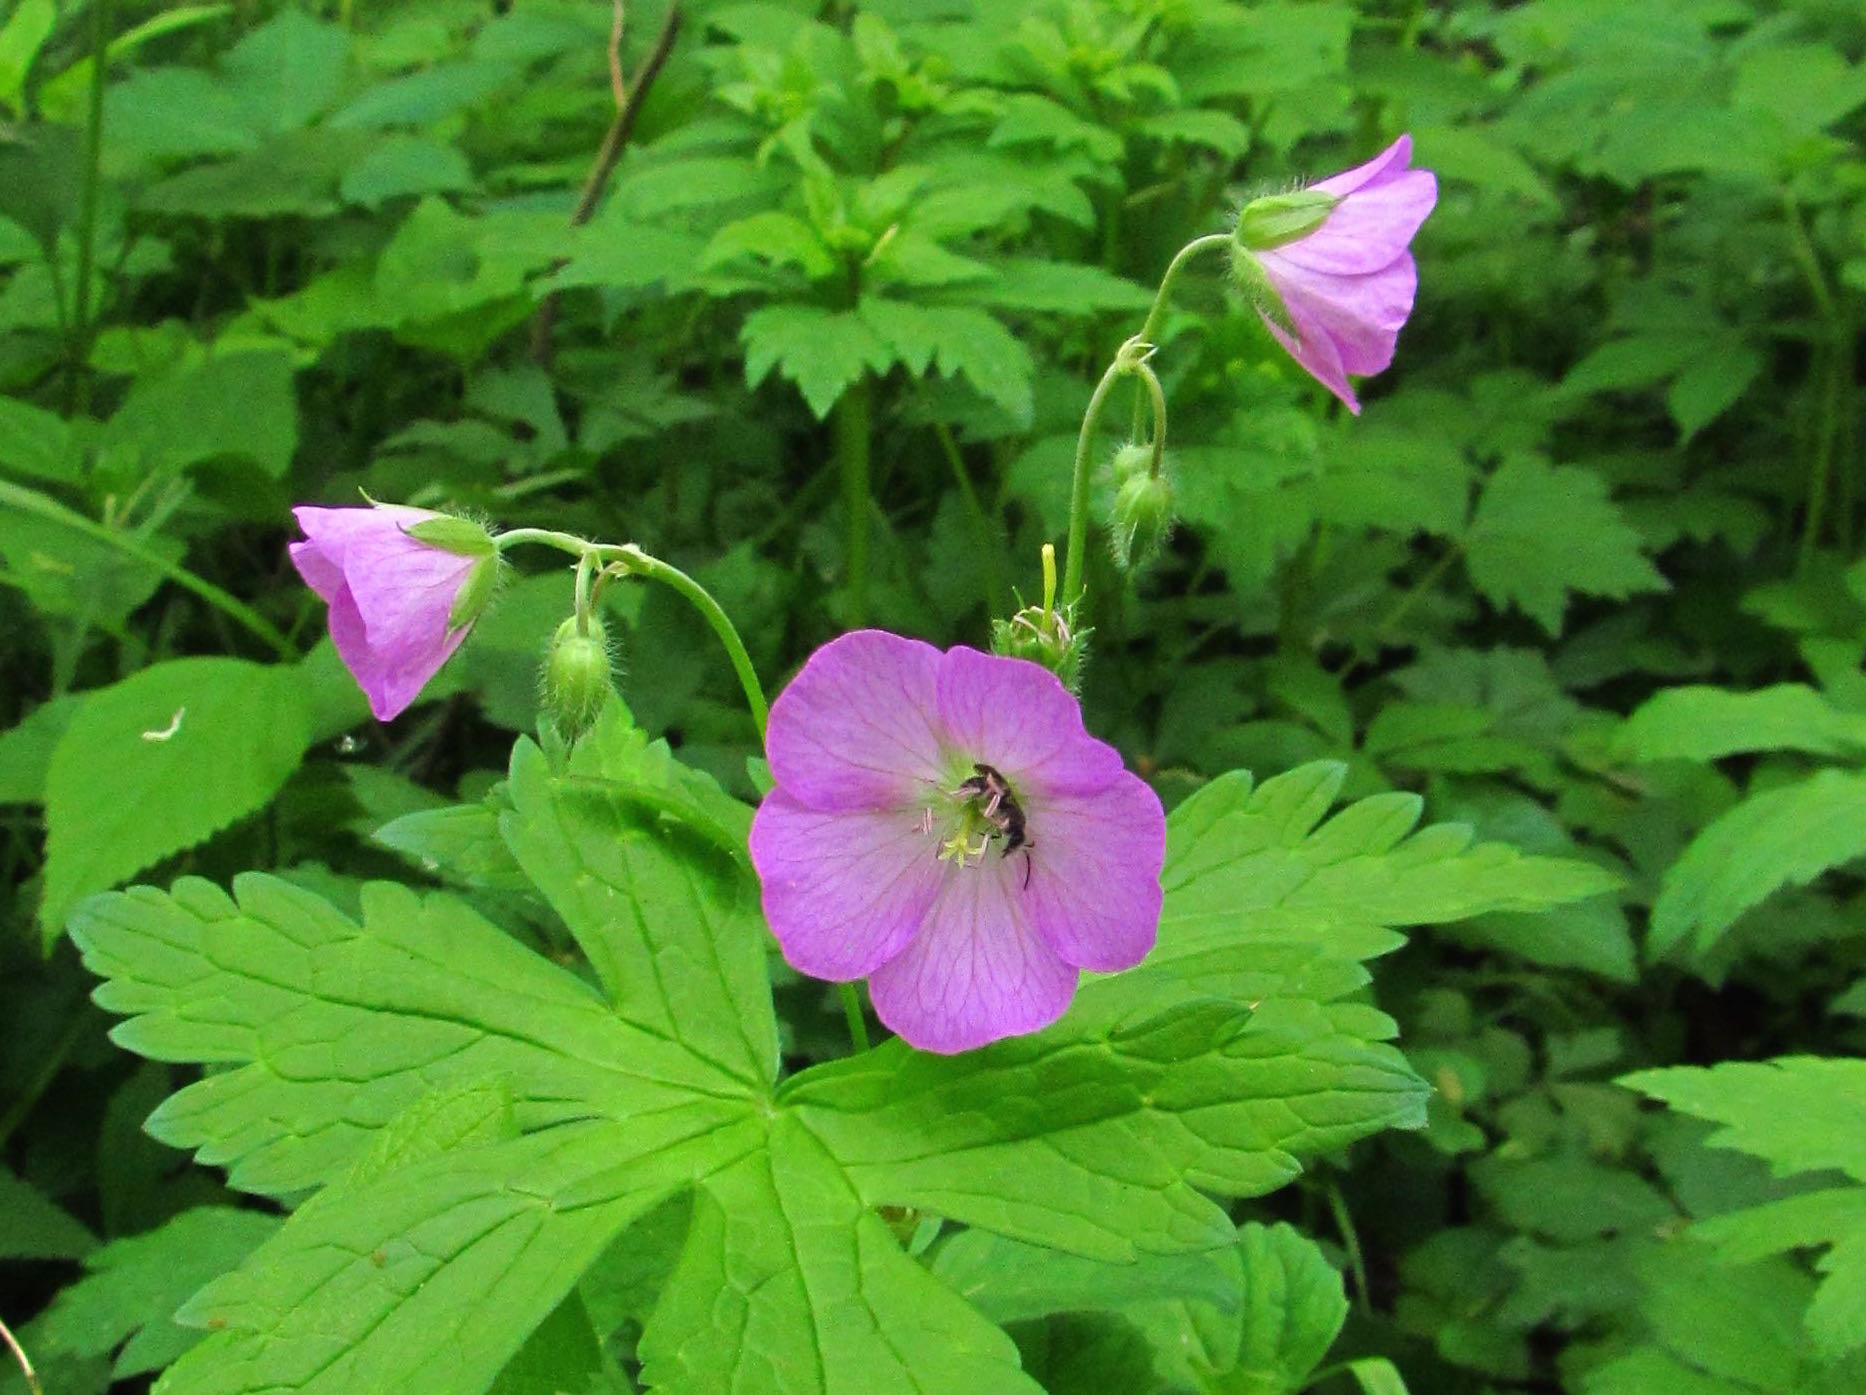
x=1001, y=811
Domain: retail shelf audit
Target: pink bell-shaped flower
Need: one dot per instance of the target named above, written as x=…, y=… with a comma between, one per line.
x=1331, y=264
x=404, y=586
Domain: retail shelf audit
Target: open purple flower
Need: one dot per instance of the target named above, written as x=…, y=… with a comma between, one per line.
x=1344, y=276
x=400, y=604
x=944, y=827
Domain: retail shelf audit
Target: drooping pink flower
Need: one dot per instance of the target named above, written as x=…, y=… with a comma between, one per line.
x=943, y=826
x=1347, y=283
x=395, y=600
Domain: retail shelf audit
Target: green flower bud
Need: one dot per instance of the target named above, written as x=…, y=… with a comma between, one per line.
x=577, y=677
x=1133, y=458
x=1276, y=220
x=1047, y=637
x=1142, y=519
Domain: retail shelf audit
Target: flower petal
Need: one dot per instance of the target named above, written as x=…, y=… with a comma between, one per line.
x=854, y=729
x=404, y=588
x=322, y=574
x=1360, y=315
x=1368, y=230
x=1094, y=877
x=977, y=971
x=1017, y=716
x=1395, y=157
x=1316, y=352
x=844, y=890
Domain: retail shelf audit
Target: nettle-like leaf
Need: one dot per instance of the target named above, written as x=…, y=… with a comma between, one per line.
x=1237, y=1051
x=159, y=762
x=1802, y=1115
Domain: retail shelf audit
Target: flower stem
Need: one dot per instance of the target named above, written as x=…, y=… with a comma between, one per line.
x=852, y=452
x=640, y=563
x=1131, y=357
x=77, y=382
x=31, y=501
x=852, y=1011
x=1173, y=268
x=714, y=614
x=1158, y=396
x=586, y=570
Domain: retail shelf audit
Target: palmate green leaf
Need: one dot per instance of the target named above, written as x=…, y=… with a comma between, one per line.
x=959, y=340
x=644, y=860
x=1800, y=1114
x=159, y=762
x=1099, y=1135
x=1543, y=532
x=1257, y=1314
x=1782, y=837
x=133, y=1286
x=430, y=1277
x=333, y=1028
x=824, y=352
x=790, y=1282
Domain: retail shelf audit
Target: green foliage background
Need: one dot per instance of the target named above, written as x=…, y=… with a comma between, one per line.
x=1586, y=576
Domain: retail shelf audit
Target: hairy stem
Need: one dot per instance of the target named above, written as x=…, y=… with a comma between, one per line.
x=1185, y=254
x=1079, y=489
x=641, y=563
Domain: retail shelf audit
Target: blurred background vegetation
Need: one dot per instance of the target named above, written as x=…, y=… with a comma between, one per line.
x=808, y=299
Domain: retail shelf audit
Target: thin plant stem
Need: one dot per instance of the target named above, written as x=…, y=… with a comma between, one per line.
x=1157, y=395
x=852, y=426
x=628, y=94
x=852, y=1011
x=1820, y=474
x=586, y=568
x=28, y=1099
x=1173, y=268
x=1351, y=1242
x=1425, y=583
x=1077, y=544
x=1821, y=468
x=31, y=501
x=1129, y=358
x=19, y=1355
x=996, y=597
x=77, y=391
x=640, y=563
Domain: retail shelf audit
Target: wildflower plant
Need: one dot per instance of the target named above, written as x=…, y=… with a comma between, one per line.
x=1109, y=1024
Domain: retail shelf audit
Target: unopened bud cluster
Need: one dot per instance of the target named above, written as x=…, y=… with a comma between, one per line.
x=1142, y=518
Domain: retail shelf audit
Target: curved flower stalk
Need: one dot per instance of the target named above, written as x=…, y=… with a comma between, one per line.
x=944, y=826
x=404, y=587
x=1332, y=268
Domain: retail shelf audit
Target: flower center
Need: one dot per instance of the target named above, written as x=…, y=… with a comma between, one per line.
x=987, y=810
